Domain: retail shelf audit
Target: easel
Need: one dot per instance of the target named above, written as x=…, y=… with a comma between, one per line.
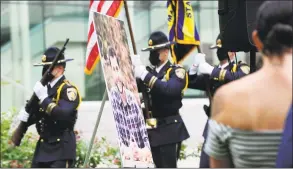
x=105, y=92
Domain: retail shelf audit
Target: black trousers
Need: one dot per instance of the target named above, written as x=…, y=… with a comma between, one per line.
x=54, y=164
x=204, y=158
x=166, y=156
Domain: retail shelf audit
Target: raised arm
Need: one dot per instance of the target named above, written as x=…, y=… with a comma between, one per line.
x=237, y=72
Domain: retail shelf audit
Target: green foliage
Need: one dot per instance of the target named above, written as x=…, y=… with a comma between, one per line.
x=102, y=154
x=19, y=156
x=194, y=153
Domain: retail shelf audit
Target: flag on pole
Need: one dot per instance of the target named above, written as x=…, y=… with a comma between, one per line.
x=106, y=7
x=182, y=29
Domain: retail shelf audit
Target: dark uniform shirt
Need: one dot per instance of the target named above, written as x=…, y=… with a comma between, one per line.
x=166, y=87
x=55, y=118
x=166, y=93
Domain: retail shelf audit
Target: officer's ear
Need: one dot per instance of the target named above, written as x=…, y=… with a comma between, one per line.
x=257, y=41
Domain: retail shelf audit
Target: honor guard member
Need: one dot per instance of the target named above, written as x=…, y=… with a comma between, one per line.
x=203, y=76
x=55, y=115
x=166, y=83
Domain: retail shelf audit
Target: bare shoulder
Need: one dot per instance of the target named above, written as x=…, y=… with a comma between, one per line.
x=232, y=101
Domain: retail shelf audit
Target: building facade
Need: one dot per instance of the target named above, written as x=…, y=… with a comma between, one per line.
x=29, y=27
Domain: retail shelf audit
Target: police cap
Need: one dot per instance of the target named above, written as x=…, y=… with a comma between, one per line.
x=157, y=40
x=49, y=55
x=218, y=42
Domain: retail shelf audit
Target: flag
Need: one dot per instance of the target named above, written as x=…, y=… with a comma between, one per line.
x=107, y=7
x=182, y=29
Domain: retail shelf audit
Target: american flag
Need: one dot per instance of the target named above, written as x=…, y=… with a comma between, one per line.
x=107, y=7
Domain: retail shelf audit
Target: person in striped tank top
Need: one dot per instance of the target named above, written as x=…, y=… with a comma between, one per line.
x=248, y=115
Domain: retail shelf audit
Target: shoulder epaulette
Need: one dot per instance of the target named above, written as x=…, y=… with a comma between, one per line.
x=177, y=65
x=67, y=82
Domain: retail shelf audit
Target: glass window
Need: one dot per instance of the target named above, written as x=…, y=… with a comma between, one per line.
x=51, y=22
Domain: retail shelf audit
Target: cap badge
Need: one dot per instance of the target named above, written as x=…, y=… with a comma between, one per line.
x=219, y=43
x=44, y=58
x=150, y=42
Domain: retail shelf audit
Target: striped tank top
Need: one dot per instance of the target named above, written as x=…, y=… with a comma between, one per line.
x=245, y=148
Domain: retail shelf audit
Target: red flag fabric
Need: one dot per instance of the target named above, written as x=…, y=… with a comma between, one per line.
x=107, y=7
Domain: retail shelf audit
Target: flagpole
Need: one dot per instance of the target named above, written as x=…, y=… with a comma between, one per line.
x=206, y=79
x=130, y=27
x=147, y=115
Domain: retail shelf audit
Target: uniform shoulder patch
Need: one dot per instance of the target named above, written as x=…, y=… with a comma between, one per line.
x=71, y=93
x=67, y=83
x=180, y=72
x=245, y=69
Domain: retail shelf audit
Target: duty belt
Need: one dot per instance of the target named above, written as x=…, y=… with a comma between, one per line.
x=153, y=123
x=54, y=134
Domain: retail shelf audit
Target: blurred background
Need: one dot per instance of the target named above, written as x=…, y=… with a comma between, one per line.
x=28, y=28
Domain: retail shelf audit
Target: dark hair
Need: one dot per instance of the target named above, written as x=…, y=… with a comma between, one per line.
x=274, y=26
x=112, y=53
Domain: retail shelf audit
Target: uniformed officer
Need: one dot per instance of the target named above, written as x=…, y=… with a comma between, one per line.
x=209, y=78
x=55, y=115
x=166, y=83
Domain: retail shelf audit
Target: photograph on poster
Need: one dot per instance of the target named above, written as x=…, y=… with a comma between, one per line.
x=122, y=91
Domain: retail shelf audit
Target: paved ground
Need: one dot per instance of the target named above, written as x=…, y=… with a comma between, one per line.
x=192, y=113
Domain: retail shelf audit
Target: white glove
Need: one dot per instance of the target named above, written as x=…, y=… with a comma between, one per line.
x=41, y=91
x=139, y=69
x=23, y=115
x=136, y=60
x=205, y=68
x=193, y=69
x=199, y=58
x=140, y=72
